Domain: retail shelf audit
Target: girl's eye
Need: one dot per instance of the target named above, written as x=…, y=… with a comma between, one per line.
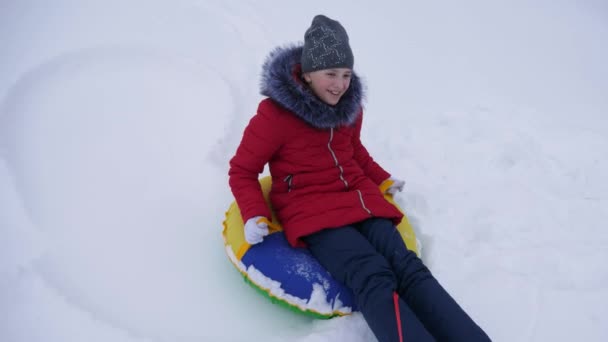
x=346, y=76
x=331, y=74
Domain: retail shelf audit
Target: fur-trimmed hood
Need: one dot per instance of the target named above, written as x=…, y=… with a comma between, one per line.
x=281, y=81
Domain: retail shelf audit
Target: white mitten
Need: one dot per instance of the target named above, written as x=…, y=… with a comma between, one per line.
x=255, y=229
x=397, y=186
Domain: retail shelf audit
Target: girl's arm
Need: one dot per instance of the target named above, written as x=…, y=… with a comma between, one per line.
x=260, y=141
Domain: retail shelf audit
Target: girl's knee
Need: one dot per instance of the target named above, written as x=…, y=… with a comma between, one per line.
x=375, y=274
x=412, y=271
x=369, y=285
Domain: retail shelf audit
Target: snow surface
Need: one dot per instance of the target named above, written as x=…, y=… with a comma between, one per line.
x=118, y=118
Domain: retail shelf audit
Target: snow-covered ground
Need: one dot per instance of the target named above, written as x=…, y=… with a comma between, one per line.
x=118, y=118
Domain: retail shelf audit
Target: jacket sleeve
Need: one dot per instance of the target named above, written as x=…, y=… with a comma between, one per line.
x=374, y=171
x=259, y=143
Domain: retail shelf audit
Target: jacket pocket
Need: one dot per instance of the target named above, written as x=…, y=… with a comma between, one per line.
x=289, y=181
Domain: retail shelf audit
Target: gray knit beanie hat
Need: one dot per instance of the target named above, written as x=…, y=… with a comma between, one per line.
x=326, y=46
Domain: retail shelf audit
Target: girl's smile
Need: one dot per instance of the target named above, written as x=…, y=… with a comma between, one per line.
x=330, y=84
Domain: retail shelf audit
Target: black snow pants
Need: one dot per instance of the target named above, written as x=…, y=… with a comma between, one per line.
x=396, y=293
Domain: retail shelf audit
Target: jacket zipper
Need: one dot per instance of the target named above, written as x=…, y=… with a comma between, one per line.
x=331, y=138
x=363, y=203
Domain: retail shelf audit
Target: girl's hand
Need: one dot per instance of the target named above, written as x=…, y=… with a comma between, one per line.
x=255, y=229
x=396, y=185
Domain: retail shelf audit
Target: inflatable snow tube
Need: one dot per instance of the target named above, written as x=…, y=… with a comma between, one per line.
x=288, y=276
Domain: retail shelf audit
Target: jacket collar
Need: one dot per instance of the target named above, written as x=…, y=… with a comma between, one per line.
x=283, y=83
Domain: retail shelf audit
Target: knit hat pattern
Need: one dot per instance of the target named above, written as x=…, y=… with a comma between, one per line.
x=326, y=46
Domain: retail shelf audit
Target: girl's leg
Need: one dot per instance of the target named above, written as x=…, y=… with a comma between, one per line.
x=350, y=258
x=435, y=308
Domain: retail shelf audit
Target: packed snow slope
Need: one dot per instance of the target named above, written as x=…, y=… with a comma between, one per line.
x=118, y=118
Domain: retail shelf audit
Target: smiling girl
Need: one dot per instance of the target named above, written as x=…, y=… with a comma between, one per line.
x=325, y=190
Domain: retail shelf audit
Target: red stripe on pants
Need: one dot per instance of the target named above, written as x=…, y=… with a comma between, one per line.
x=397, y=315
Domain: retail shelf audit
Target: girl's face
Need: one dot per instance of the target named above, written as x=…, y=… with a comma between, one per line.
x=330, y=84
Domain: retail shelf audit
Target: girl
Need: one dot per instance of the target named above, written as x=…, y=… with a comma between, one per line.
x=325, y=190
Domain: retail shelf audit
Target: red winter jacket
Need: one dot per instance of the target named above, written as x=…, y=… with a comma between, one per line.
x=322, y=177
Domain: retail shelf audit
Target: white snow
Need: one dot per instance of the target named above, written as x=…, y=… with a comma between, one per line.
x=118, y=118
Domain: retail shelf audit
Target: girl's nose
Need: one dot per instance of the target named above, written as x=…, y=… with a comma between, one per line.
x=339, y=85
